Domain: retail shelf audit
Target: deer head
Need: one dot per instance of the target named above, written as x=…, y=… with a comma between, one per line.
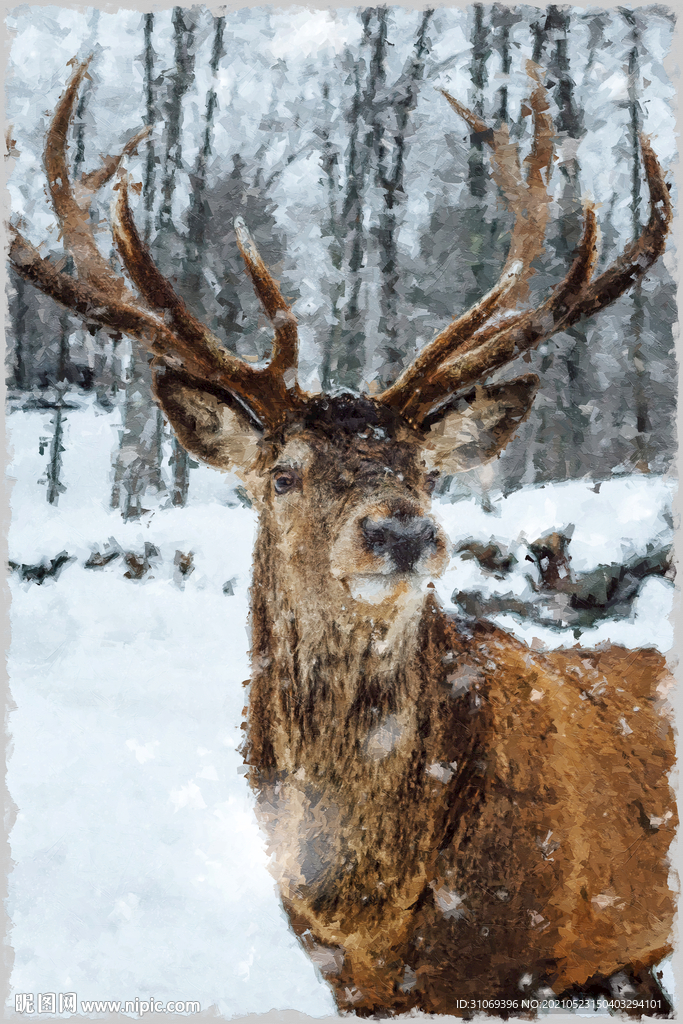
x=342, y=483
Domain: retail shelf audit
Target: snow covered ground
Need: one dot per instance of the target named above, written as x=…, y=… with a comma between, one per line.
x=139, y=867
x=620, y=521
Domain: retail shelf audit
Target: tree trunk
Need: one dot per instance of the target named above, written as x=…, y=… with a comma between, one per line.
x=574, y=396
x=334, y=229
x=184, y=73
x=195, y=246
x=637, y=354
x=476, y=177
x=390, y=180
x=150, y=119
x=18, y=309
x=561, y=442
x=137, y=470
x=350, y=358
x=181, y=80
x=502, y=20
x=482, y=240
x=55, y=487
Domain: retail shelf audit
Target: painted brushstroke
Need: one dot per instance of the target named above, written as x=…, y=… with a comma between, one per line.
x=451, y=815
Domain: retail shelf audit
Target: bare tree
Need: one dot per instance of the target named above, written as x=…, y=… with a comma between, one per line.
x=389, y=177
x=195, y=245
x=332, y=228
x=502, y=20
x=558, y=443
x=137, y=469
x=637, y=358
x=18, y=353
x=349, y=359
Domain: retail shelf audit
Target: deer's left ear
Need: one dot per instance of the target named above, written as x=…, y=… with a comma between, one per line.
x=473, y=428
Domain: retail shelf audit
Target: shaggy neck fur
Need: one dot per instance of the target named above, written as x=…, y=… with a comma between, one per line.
x=334, y=667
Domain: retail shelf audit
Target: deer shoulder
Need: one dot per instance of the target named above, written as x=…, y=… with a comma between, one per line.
x=565, y=811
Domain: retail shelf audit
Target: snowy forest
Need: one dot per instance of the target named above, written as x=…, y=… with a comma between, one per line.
x=139, y=867
x=368, y=198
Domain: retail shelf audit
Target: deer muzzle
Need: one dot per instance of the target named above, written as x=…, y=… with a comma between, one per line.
x=389, y=544
x=404, y=539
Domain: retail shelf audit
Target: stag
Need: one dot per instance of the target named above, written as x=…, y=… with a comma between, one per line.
x=452, y=816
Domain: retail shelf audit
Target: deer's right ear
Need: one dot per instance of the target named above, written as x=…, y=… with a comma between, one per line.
x=209, y=422
x=471, y=429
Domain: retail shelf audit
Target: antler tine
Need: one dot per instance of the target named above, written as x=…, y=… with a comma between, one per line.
x=500, y=343
x=642, y=252
x=154, y=287
x=100, y=297
x=573, y=284
x=95, y=180
x=159, y=293
x=101, y=309
x=576, y=297
x=74, y=217
x=205, y=362
x=286, y=339
x=529, y=202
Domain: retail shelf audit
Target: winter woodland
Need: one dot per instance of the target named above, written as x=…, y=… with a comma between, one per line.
x=139, y=867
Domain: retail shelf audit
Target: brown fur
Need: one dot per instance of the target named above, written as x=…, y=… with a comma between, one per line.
x=543, y=829
x=449, y=813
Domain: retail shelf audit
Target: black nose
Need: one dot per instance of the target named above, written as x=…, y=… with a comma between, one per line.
x=404, y=538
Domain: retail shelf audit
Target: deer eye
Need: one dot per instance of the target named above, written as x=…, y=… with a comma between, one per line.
x=284, y=480
x=431, y=481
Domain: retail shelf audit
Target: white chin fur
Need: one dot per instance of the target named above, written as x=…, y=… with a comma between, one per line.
x=377, y=588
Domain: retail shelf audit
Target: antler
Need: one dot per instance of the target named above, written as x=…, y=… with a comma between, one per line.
x=529, y=202
x=161, y=321
x=469, y=350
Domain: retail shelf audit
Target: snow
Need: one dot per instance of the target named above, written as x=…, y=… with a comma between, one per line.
x=620, y=520
x=649, y=627
x=140, y=870
x=610, y=525
x=139, y=865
